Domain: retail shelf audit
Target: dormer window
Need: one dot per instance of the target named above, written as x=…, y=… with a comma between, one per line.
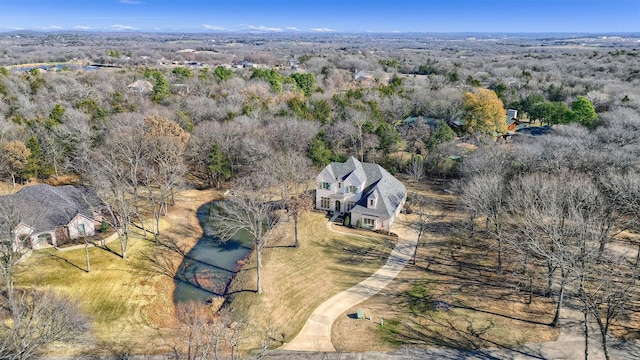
x=372, y=201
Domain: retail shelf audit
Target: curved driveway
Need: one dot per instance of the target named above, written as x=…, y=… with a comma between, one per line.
x=316, y=332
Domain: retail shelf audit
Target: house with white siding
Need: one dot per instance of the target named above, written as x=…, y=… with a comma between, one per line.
x=370, y=196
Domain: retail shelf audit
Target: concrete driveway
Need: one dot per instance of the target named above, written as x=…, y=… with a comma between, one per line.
x=314, y=340
x=316, y=332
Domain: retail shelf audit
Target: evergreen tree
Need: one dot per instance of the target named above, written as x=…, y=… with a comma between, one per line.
x=441, y=134
x=218, y=164
x=34, y=167
x=584, y=111
x=318, y=152
x=305, y=82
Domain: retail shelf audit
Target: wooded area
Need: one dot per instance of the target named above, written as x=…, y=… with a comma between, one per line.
x=136, y=117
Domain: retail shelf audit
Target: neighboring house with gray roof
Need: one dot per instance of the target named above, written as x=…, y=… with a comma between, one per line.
x=364, y=78
x=50, y=214
x=365, y=191
x=140, y=86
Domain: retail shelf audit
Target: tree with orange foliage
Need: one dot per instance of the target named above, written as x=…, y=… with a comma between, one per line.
x=484, y=113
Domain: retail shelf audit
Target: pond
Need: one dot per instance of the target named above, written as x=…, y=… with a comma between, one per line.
x=208, y=268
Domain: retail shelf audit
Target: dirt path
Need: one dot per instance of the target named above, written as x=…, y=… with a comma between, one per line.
x=316, y=332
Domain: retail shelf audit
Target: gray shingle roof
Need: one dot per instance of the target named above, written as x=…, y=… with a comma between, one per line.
x=44, y=207
x=390, y=191
x=342, y=171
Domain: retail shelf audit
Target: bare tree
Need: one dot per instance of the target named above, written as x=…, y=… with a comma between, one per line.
x=358, y=119
x=292, y=172
x=297, y=204
x=623, y=193
x=553, y=212
x=250, y=209
x=607, y=288
x=200, y=334
x=416, y=168
x=110, y=177
x=14, y=244
x=36, y=320
x=420, y=207
x=117, y=171
x=290, y=135
x=162, y=168
x=485, y=194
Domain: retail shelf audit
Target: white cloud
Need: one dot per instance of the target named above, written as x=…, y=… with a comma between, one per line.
x=264, y=28
x=52, y=27
x=322, y=29
x=212, y=27
x=293, y=28
x=122, y=27
x=81, y=27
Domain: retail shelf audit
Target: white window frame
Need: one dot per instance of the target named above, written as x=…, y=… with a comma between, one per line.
x=369, y=222
x=323, y=201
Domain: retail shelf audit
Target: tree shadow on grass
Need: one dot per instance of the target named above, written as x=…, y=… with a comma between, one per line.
x=61, y=259
x=431, y=329
x=109, y=250
x=348, y=253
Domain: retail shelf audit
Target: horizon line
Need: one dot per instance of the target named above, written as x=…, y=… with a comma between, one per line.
x=289, y=32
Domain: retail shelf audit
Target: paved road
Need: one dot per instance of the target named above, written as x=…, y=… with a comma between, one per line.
x=316, y=332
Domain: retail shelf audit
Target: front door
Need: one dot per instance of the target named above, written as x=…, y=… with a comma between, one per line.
x=338, y=206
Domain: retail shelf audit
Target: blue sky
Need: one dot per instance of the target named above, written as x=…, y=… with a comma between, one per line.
x=591, y=16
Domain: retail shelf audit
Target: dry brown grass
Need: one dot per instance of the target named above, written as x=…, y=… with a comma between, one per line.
x=483, y=313
x=130, y=308
x=133, y=310
x=6, y=188
x=297, y=280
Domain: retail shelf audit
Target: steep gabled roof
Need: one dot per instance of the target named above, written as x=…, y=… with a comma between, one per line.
x=341, y=171
x=390, y=192
x=44, y=207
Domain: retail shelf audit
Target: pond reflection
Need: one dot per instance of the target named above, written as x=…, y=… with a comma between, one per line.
x=209, y=267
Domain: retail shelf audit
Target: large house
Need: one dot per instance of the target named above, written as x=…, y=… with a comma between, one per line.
x=370, y=195
x=49, y=214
